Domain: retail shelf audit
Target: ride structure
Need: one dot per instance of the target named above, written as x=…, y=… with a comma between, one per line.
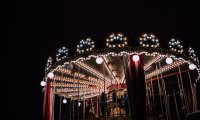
x=160, y=83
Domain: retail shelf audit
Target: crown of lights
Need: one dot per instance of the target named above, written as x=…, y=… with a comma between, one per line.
x=116, y=40
x=175, y=45
x=48, y=65
x=149, y=40
x=85, y=45
x=62, y=53
x=193, y=55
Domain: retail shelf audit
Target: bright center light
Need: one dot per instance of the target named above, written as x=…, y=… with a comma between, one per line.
x=64, y=101
x=169, y=60
x=192, y=66
x=42, y=83
x=50, y=75
x=136, y=58
x=99, y=60
x=79, y=104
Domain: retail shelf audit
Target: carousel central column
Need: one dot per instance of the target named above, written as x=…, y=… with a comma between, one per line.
x=135, y=81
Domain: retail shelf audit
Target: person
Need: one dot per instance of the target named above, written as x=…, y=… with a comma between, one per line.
x=102, y=103
x=125, y=102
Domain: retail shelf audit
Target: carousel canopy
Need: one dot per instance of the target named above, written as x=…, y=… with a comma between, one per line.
x=90, y=71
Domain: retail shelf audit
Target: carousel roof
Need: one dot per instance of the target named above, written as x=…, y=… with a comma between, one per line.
x=88, y=72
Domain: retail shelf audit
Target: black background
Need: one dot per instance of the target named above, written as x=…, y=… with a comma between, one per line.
x=33, y=30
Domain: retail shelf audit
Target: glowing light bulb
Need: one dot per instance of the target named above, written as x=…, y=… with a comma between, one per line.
x=43, y=83
x=64, y=101
x=79, y=104
x=169, y=60
x=99, y=60
x=192, y=66
x=136, y=58
x=50, y=75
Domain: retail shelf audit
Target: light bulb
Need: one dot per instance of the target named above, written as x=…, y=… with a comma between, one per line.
x=192, y=66
x=169, y=60
x=50, y=75
x=99, y=60
x=136, y=58
x=64, y=101
x=43, y=83
x=79, y=104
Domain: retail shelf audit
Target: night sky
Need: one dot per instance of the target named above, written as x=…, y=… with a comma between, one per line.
x=34, y=30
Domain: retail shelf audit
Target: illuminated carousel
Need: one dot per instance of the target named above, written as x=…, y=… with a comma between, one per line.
x=120, y=81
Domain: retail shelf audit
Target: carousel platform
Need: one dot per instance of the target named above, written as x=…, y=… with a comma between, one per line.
x=111, y=118
x=119, y=118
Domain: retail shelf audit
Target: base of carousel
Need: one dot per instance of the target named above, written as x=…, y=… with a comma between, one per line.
x=110, y=118
x=122, y=118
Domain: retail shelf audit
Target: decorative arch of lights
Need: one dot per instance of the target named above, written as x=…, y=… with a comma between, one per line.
x=80, y=77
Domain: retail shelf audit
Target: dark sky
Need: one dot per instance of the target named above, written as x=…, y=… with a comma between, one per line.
x=33, y=30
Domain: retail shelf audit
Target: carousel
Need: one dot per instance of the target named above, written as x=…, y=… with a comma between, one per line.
x=122, y=80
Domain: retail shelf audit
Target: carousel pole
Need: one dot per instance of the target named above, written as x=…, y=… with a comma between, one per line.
x=160, y=92
x=83, y=105
x=104, y=87
x=53, y=100
x=192, y=91
x=153, y=97
x=183, y=91
x=78, y=92
x=195, y=97
x=116, y=99
x=60, y=110
x=181, y=95
x=73, y=102
x=148, y=101
x=70, y=114
x=149, y=97
x=73, y=109
x=99, y=102
x=177, y=112
x=164, y=93
x=97, y=112
x=168, y=107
